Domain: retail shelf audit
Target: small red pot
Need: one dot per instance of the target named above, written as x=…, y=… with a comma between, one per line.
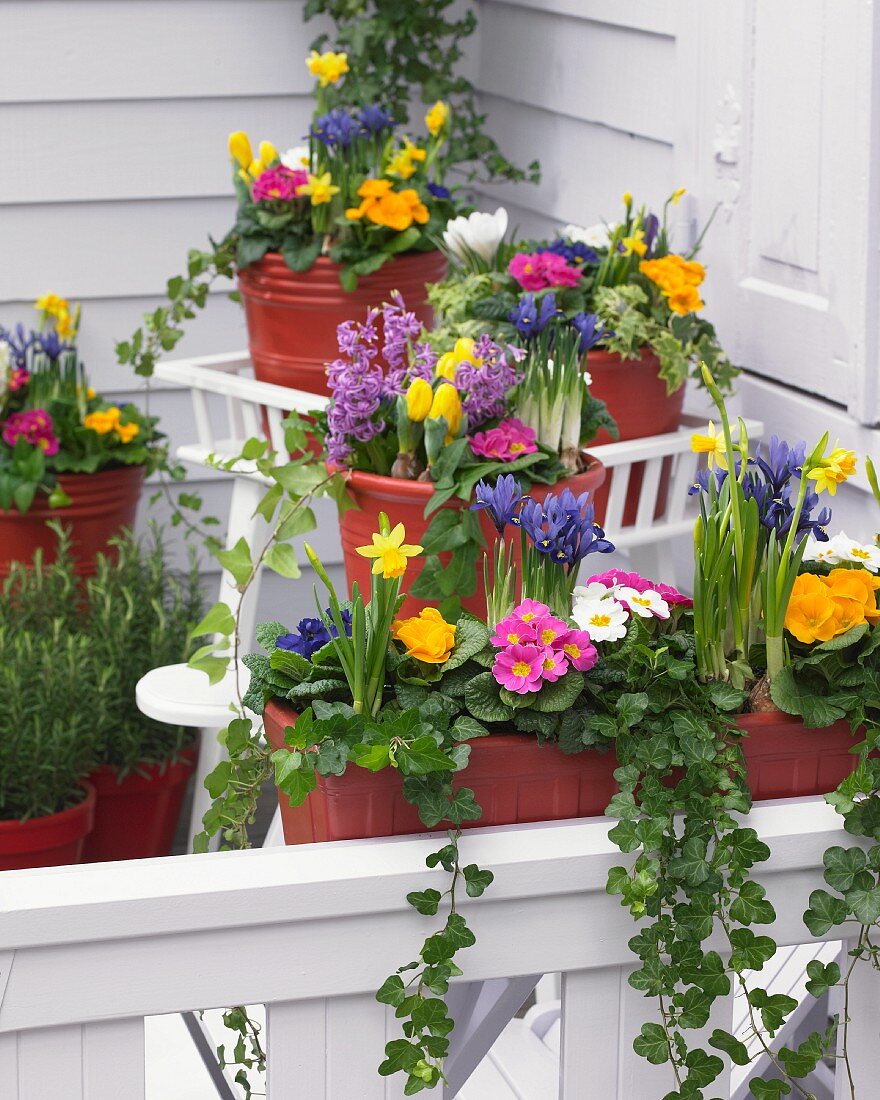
x=787, y=760
x=514, y=780
x=405, y=502
x=101, y=504
x=136, y=817
x=50, y=841
x=292, y=317
x=637, y=399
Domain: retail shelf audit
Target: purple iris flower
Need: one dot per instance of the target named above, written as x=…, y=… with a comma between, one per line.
x=374, y=119
x=336, y=128
x=312, y=635
x=19, y=343
x=439, y=191
x=501, y=502
x=564, y=528
x=591, y=330
x=51, y=345
x=529, y=317
x=652, y=225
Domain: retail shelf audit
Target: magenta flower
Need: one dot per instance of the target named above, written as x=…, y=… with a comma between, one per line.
x=18, y=379
x=519, y=668
x=35, y=426
x=513, y=631
x=281, y=184
x=539, y=270
x=617, y=577
x=530, y=610
x=511, y=439
x=672, y=595
x=553, y=665
x=578, y=648
x=550, y=631
x=557, y=272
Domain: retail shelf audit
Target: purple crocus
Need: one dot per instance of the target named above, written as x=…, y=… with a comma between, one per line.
x=501, y=501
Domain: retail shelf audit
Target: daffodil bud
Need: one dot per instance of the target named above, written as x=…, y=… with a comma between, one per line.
x=419, y=400
x=240, y=148
x=268, y=152
x=446, y=365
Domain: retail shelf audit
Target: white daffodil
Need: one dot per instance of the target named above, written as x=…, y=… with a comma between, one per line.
x=593, y=236
x=603, y=619
x=296, y=158
x=478, y=234
x=646, y=604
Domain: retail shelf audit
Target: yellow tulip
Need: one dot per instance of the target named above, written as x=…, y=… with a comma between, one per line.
x=464, y=351
x=446, y=366
x=240, y=148
x=447, y=404
x=268, y=152
x=419, y=398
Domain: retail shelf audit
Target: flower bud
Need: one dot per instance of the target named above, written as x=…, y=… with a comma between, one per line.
x=240, y=148
x=268, y=152
x=446, y=365
x=419, y=399
x=447, y=404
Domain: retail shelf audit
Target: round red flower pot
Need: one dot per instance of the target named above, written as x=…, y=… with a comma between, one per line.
x=101, y=504
x=787, y=760
x=292, y=317
x=637, y=399
x=514, y=780
x=50, y=841
x=136, y=817
x=405, y=502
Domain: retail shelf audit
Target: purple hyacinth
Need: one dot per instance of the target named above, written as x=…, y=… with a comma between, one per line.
x=357, y=384
x=404, y=358
x=484, y=388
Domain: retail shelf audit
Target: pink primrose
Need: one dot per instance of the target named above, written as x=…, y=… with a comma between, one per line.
x=519, y=668
x=528, y=270
x=529, y=610
x=18, y=379
x=554, y=665
x=511, y=439
x=578, y=648
x=512, y=631
x=550, y=631
x=33, y=425
x=279, y=184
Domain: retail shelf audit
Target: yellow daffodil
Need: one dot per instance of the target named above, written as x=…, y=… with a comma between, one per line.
x=427, y=636
x=240, y=148
x=419, y=398
x=320, y=189
x=268, y=152
x=404, y=161
x=833, y=470
x=676, y=196
x=437, y=117
x=327, y=67
x=390, y=552
x=712, y=445
x=52, y=305
x=635, y=243
x=447, y=404
x=90, y=394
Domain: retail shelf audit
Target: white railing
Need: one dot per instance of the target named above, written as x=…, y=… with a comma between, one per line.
x=311, y=931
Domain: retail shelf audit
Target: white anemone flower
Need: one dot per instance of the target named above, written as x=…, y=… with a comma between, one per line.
x=603, y=619
x=478, y=234
x=593, y=236
x=296, y=158
x=646, y=604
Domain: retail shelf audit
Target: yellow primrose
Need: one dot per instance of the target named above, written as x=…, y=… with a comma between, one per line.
x=711, y=445
x=686, y=299
x=320, y=189
x=427, y=636
x=390, y=552
x=635, y=243
x=327, y=67
x=419, y=398
x=240, y=148
x=103, y=421
x=268, y=152
x=811, y=617
x=127, y=432
x=833, y=470
x=447, y=404
x=437, y=117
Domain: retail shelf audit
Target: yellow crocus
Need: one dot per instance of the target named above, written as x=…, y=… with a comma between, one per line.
x=712, y=445
x=447, y=404
x=391, y=553
x=320, y=189
x=268, y=152
x=437, y=117
x=419, y=398
x=240, y=148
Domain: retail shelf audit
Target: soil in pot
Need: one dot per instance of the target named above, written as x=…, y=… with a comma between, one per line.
x=405, y=502
x=51, y=841
x=514, y=779
x=292, y=317
x=102, y=504
x=136, y=817
x=637, y=399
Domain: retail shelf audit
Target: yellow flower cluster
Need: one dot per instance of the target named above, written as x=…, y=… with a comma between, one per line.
x=820, y=608
x=404, y=161
x=250, y=166
x=382, y=205
x=437, y=118
x=463, y=352
x=678, y=279
x=58, y=308
x=327, y=67
x=427, y=636
x=104, y=421
x=833, y=469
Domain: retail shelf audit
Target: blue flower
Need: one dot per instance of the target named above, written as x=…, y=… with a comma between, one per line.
x=19, y=343
x=336, y=128
x=575, y=252
x=501, y=502
x=564, y=528
x=652, y=225
x=374, y=119
x=530, y=318
x=51, y=345
x=591, y=330
x=439, y=191
x=311, y=635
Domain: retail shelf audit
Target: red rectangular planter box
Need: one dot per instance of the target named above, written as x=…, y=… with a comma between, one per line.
x=515, y=780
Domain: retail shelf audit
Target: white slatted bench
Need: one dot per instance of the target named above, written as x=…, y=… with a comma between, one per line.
x=87, y=952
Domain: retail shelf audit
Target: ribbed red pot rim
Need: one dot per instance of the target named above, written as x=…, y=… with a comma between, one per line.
x=105, y=778
x=85, y=490
x=325, y=272
x=13, y=829
x=759, y=719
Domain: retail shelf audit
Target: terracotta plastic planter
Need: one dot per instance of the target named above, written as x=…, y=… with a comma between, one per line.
x=514, y=779
x=136, y=818
x=637, y=399
x=292, y=317
x=405, y=501
x=787, y=760
x=101, y=505
x=50, y=841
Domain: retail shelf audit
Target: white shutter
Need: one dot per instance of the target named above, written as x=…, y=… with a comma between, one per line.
x=778, y=114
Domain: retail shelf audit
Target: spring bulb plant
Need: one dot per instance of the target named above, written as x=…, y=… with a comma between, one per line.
x=51, y=421
x=356, y=191
x=644, y=295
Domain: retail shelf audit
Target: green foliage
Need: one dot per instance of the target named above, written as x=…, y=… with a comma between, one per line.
x=403, y=53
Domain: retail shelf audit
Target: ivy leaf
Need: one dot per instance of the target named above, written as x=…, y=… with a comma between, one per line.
x=751, y=907
x=822, y=977
x=392, y=991
x=421, y=756
x=463, y=807
x=651, y=1043
x=466, y=729
x=864, y=900
x=825, y=912
x=801, y=1062
x=768, y=1090
x=841, y=867
x=750, y=952
x=702, y=1068
x=476, y=880
x=372, y=757
x=237, y=561
x=631, y=707
x=282, y=560
x=691, y=865
x=732, y=1047
x=773, y=1007
x=425, y=902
